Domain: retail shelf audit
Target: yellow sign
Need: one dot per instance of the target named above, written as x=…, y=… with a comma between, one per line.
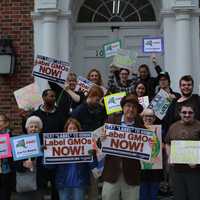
x=112, y=102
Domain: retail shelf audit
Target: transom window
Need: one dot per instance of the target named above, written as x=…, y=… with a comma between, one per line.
x=116, y=11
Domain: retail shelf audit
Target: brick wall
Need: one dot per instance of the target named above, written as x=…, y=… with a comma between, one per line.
x=16, y=24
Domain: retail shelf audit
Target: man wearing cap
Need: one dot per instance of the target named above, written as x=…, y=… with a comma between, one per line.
x=121, y=175
x=164, y=83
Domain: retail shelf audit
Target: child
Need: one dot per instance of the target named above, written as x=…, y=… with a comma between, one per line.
x=72, y=180
x=5, y=164
x=33, y=125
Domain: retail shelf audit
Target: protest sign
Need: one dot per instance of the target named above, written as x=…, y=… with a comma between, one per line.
x=83, y=85
x=156, y=156
x=124, y=59
x=110, y=49
x=51, y=69
x=129, y=142
x=185, y=152
x=96, y=134
x=160, y=104
x=5, y=147
x=28, y=97
x=63, y=148
x=112, y=102
x=153, y=45
x=144, y=101
x=26, y=146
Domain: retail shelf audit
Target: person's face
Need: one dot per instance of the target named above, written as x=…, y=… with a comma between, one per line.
x=129, y=110
x=187, y=114
x=140, y=90
x=94, y=77
x=123, y=75
x=93, y=100
x=72, y=128
x=148, y=118
x=163, y=82
x=3, y=123
x=72, y=83
x=143, y=73
x=50, y=98
x=33, y=128
x=186, y=88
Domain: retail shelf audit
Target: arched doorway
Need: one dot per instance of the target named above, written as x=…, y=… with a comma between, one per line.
x=101, y=21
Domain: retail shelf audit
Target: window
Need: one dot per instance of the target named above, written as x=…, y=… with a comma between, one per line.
x=116, y=11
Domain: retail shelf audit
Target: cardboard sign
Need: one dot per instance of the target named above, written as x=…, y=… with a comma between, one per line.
x=51, y=69
x=67, y=147
x=110, y=49
x=153, y=45
x=5, y=147
x=156, y=155
x=124, y=59
x=26, y=146
x=112, y=102
x=144, y=101
x=83, y=85
x=160, y=104
x=28, y=97
x=190, y=152
x=128, y=142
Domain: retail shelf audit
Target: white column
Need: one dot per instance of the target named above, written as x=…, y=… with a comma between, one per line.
x=65, y=37
x=183, y=44
x=49, y=43
x=50, y=46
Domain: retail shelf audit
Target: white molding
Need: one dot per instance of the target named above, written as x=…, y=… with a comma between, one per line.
x=47, y=4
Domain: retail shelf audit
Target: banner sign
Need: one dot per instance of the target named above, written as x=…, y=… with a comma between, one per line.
x=156, y=155
x=153, y=45
x=128, y=142
x=5, y=147
x=83, y=85
x=144, y=101
x=26, y=146
x=110, y=49
x=28, y=97
x=112, y=102
x=51, y=69
x=124, y=59
x=160, y=104
x=190, y=152
x=61, y=148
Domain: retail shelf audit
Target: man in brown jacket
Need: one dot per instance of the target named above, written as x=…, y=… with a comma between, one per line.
x=121, y=175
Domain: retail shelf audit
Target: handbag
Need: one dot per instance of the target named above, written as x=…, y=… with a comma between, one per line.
x=26, y=181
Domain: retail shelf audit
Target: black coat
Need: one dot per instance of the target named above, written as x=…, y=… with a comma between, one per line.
x=89, y=118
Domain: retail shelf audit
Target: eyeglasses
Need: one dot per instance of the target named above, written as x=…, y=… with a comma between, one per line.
x=189, y=112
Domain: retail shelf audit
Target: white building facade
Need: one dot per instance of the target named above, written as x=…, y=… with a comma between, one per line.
x=76, y=30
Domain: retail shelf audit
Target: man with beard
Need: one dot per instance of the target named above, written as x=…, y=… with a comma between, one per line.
x=186, y=84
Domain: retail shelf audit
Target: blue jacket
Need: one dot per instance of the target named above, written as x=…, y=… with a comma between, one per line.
x=73, y=175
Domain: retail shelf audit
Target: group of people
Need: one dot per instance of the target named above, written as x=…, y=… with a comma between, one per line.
x=66, y=110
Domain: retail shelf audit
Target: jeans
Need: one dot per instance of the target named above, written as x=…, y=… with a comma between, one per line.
x=149, y=190
x=72, y=193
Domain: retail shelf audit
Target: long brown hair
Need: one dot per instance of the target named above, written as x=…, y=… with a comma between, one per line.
x=72, y=121
x=100, y=81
